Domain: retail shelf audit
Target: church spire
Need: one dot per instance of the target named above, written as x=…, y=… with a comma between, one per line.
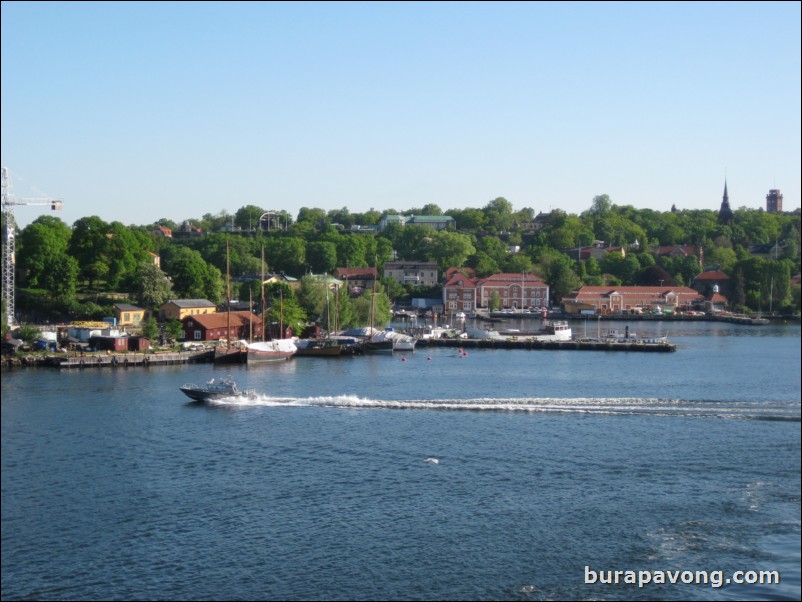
x=725, y=215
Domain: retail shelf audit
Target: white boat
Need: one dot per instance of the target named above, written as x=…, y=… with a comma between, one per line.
x=482, y=333
x=271, y=351
x=404, y=343
x=551, y=331
x=224, y=388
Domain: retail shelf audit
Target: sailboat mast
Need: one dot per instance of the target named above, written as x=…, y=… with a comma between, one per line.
x=262, y=286
x=228, y=298
x=372, y=308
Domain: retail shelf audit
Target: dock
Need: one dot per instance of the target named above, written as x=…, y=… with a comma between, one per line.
x=575, y=345
x=125, y=360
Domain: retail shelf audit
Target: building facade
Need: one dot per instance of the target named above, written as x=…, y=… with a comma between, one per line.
x=624, y=299
x=438, y=222
x=232, y=326
x=412, y=273
x=178, y=309
x=514, y=291
x=128, y=315
x=357, y=280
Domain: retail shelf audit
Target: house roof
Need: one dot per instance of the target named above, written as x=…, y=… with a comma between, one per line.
x=185, y=303
x=686, y=250
x=370, y=273
x=221, y=320
x=127, y=307
x=586, y=292
x=505, y=279
x=410, y=265
x=712, y=275
x=466, y=271
x=460, y=279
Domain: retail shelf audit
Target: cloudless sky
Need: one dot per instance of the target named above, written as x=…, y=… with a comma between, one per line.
x=140, y=111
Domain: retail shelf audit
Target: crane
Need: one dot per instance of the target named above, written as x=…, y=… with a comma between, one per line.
x=9, y=202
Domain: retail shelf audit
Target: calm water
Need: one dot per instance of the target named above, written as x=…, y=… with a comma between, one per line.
x=115, y=487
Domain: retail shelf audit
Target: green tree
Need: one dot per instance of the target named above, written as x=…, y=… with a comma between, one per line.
x=192, y=277
x=321, y=257
x=39, y=244
x=123, y=253
x=451, y=249
x=601, y=206
x=153, y=285
x=517, y=264
x=61, y=278
x=557, y=270
x=174, y=329
x=88, y=246
x=150, y=329
x=498, y=213
x=247, y=217
x=284, y=308
x=287, y=254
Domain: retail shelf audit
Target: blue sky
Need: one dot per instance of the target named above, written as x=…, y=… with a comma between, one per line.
x=140, y=111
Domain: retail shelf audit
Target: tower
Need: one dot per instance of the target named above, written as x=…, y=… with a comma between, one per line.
x=774, y=201
x=725, y=214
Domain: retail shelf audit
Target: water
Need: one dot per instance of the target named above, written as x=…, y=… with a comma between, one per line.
x=325, y=487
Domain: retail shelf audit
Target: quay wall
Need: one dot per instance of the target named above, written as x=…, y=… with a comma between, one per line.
x=578, y=345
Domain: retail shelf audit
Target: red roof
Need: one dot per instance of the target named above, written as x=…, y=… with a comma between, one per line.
x=507, y=279
x=656, y=291
x=461, y=279
x=712, y=275
x=363, y=273
x=220, y=320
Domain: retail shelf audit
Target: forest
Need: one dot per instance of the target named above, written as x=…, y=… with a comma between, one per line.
x=78, y=271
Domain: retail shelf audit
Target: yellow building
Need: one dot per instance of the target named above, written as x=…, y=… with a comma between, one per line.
x=178, y=309
x=128, y=315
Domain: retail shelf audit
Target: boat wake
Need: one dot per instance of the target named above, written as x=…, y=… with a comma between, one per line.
x=751, y=410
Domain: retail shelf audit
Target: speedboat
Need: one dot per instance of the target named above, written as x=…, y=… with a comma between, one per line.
x=224, y=388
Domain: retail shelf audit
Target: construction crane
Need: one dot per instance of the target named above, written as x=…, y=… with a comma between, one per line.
x=9, y=202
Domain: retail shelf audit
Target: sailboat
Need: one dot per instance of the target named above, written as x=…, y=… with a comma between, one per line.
x=321, y=347
x=376, y=341
x=274, y=350
x=232, y=352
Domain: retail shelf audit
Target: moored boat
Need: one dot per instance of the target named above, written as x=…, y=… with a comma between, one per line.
x=234, y=353
x=552, y=331
x=319, y=347
x=271, y=351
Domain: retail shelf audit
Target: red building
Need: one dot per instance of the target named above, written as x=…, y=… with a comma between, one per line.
x=212, y=327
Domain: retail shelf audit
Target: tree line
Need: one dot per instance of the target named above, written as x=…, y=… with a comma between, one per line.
x=70, y=265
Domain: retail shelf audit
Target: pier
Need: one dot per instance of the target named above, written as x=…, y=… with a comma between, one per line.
x=576, y=345
x=125, y=360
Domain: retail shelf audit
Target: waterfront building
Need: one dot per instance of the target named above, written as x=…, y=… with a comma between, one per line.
x=515, y=291
x=178, y=309
x=233, y=326
x=610, y=299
